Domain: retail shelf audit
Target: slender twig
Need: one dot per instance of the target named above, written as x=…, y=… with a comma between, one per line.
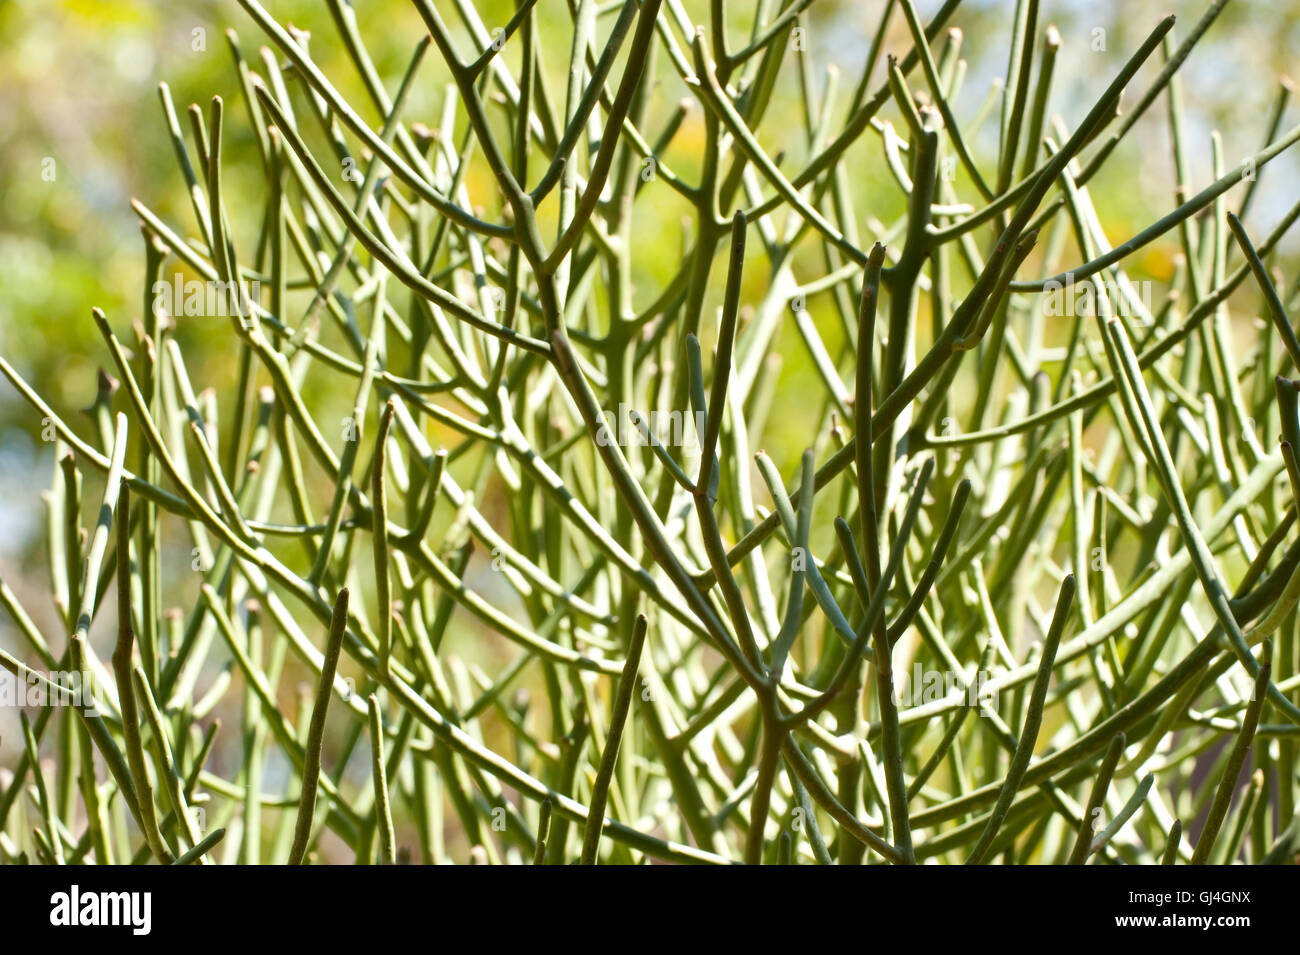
x=316, y=733
x=609, y=757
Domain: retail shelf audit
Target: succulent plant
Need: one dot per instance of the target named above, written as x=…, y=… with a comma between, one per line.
x=1017, y=582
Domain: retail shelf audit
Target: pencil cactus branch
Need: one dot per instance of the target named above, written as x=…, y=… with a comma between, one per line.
x=483, y=417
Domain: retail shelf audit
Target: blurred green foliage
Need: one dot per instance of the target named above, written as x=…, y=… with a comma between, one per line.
x=81, y=132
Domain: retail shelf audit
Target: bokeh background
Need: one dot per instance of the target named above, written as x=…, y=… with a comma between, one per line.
x=78, y=87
